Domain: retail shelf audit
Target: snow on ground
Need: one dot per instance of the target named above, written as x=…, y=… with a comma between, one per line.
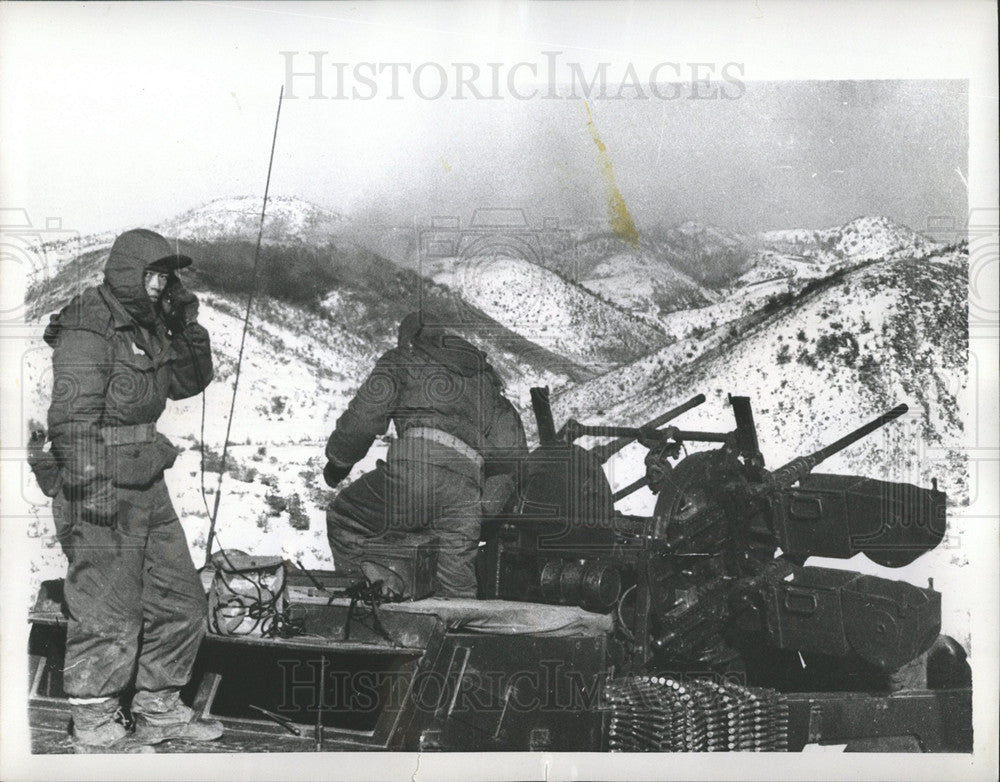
x=861, y=239
x=47, y=255
x=548, y=309
x=888, y=333
x=649, y=283
x=643, y=283
x=818, y=365
x=841, y=357
x=285, y=220
x=295, y=380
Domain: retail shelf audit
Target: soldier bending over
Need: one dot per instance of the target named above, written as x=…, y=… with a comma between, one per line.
x=459, y=439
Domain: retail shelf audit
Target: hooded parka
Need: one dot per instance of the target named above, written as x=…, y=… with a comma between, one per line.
x=459, y=440
x=131, y=581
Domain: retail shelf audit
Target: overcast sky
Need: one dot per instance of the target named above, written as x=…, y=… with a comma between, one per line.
x=121, y=115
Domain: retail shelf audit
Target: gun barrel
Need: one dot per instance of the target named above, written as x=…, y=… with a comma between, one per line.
x=632, y=488
x=801, y=466
x=861, y=431
x=543, y=415
x=606, y=451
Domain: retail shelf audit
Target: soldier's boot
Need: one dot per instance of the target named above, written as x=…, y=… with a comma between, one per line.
x=162, y=716
x=100, y=728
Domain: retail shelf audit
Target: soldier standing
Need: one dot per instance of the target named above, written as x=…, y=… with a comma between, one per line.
x=459, y=440
x=135, y=602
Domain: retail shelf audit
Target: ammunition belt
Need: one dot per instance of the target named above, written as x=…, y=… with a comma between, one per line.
x=447, y=440
x=128, y=435
x=659, y=714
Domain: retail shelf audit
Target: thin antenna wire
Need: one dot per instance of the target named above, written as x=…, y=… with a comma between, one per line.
x=243, y=338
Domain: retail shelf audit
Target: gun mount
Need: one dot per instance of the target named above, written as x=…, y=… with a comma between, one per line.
x=697, y=628
x=716, y=579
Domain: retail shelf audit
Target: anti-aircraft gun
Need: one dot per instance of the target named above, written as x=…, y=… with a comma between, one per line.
x=715, y=581
x=700, y=627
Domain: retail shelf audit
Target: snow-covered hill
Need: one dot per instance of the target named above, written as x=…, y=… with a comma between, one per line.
x=548, y=308
x=668, y=270
x=706, y=253
x=832, y=358
x=822, y=329
x=862, y=239
x=637, y=278
x=286, y=220
x=302, y=363
x=823, y=363
x=693, y=278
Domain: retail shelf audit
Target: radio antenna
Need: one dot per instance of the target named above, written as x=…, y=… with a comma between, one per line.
x=243, y=338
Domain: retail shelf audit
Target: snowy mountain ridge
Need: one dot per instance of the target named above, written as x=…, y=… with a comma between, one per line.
x=822, y=329
x=548, y=309
x=286, y=219
x=861, y=239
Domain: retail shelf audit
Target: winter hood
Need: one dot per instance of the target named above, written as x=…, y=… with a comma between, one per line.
x=131, y=255
x=421, y=331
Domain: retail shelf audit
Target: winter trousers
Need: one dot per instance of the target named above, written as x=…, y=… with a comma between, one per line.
x=136, y=604
x=420, y=488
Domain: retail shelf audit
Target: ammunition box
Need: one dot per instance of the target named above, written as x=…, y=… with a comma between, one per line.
x=843, y=515
x=841, y=612
x=406, y=564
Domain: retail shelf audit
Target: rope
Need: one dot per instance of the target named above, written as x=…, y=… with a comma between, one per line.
x=366, y=597
x=270, y=620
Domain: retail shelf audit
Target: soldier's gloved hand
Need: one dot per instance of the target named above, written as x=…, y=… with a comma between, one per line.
x=333, y=474
x=98, y=504
x=659, y=471
x=43, y=464
x=180, y=306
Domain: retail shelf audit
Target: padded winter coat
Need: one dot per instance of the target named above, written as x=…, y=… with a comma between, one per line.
x=441, y=382
x=114, y=365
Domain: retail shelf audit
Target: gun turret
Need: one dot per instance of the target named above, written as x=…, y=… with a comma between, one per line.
x=699, y=581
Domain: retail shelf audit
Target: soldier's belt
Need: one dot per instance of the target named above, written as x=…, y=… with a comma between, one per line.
x=447, y=440
x=128, y=435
